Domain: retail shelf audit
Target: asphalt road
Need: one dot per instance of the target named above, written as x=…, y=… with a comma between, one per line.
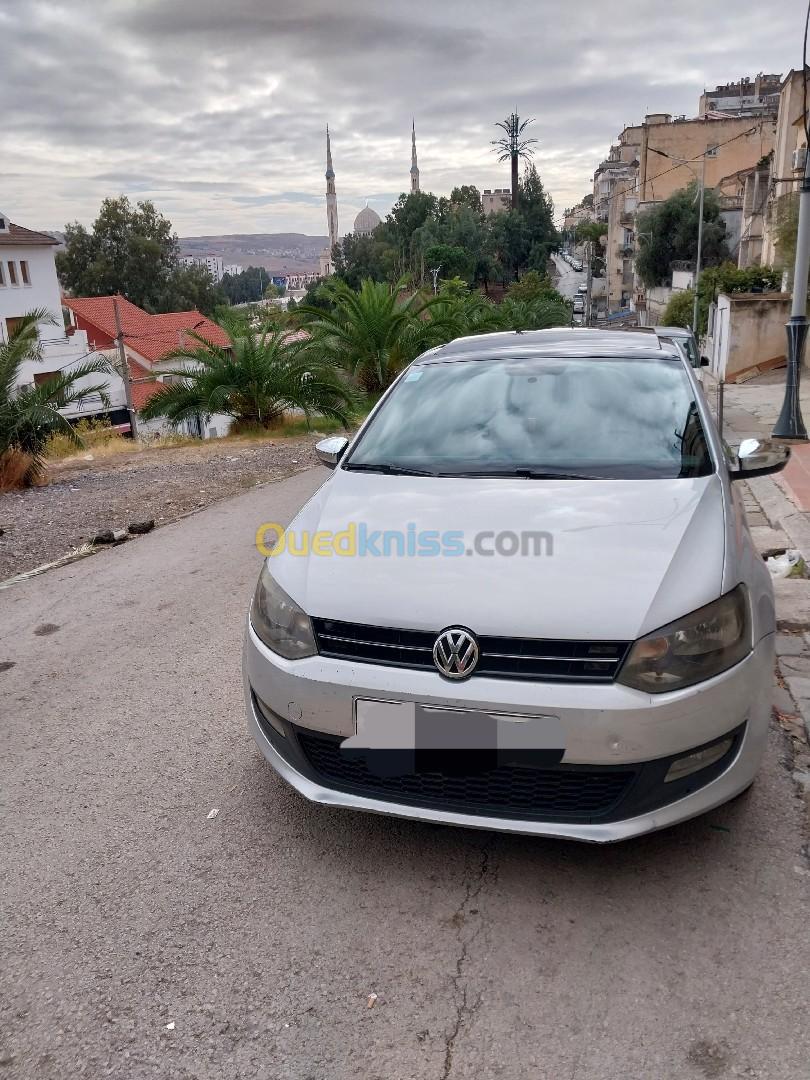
x=142, y=940
x=569, y=280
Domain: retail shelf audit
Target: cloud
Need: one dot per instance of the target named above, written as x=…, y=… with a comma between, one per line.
x=217, y=111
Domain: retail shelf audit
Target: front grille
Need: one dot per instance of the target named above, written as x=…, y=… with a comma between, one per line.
x=563, y=793
x=501, y=657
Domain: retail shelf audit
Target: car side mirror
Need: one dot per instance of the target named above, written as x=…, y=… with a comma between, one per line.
x=330, y=451
x=705, y=361
x=757, y=457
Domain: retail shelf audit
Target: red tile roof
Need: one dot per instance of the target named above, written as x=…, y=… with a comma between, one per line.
x=143, y=387
x=151, y=336
x=18, y=235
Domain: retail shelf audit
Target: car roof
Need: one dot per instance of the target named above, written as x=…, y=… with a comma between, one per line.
x=673, y=331
x=558, y=342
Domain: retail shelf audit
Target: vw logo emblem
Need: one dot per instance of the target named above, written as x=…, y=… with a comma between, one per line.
x=455, y=653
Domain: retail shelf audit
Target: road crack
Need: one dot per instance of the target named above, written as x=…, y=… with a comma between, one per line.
x=475, y=878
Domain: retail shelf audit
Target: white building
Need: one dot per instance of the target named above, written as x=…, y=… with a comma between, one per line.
x=28, y=281
x=233, y=269
x=212, y=263
x=494, y=200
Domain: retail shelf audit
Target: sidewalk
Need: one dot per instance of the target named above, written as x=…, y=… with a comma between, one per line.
x=778, y=511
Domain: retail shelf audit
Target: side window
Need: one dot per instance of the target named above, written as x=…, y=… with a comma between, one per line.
x=12, y=273
x=26, y=279
x=2, y=276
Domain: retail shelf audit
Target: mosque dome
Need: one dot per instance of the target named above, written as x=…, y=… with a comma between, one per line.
x=366, y=221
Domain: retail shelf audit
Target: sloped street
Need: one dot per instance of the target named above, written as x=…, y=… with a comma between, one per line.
x=146, y=938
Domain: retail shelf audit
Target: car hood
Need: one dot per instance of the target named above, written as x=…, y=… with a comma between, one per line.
x=624, y=557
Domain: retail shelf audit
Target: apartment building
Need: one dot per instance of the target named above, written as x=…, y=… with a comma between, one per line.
x=752, y=97
x=214, y=264
x=28, y=282
x=494, y=200
x=788, y=160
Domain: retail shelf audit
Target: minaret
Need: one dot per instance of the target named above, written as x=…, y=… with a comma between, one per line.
x=331, y=197
x=414, y=166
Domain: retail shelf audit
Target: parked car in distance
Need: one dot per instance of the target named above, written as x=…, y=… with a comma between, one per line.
x=579, y=305
x=612, y=681
x=583, y=288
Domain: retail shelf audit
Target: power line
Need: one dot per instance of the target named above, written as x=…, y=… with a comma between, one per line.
x=673, y=168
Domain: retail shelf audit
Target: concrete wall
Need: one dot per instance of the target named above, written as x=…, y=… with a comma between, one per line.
x=746, y=330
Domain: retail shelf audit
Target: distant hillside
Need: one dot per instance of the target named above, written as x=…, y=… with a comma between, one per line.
x=274, y=251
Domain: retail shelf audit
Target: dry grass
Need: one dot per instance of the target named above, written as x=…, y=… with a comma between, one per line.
x=100, y=441
x=15, y=468
x=94, y=434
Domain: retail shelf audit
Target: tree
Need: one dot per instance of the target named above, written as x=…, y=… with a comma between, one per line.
x=590, y=231
x=191, y=287
x=467, y=195
x=513, y=146
x=129, y=250
x=679, y=309
x=30, y=415
x=360, y=257
x=246, y=287
x=255, y=380
x=511, y=242
x=533, y=286
x=370, y=333
x=452, y=259
x=537, y=314
x=668, y=233
x=726, y=278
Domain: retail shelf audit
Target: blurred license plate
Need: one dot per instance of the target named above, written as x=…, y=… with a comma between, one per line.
x=398, y=737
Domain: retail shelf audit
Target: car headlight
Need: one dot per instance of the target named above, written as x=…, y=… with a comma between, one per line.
x=279, y=621
x=691, y=649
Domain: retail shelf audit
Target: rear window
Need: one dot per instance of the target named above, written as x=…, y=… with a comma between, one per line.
x=593, y=418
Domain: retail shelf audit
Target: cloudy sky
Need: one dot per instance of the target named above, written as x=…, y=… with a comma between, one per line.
x=215, y=109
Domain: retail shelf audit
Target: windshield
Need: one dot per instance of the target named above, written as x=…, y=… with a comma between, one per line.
x=573, y=417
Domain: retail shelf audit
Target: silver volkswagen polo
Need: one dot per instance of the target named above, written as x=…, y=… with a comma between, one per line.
x=525, y=599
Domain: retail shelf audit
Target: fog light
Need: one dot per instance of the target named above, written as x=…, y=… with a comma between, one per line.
x=273, y=719
x=692, y=763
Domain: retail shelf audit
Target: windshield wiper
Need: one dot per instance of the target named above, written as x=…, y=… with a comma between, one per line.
x=525, y=473
x=551, y=474
x=387, y=469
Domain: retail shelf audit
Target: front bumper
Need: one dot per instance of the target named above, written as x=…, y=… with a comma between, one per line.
x=609, y=730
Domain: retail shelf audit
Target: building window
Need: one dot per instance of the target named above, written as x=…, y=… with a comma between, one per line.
x=2, y=276
x=42, y=378
x=12, y=324
x=12, y=273
x=26, y=279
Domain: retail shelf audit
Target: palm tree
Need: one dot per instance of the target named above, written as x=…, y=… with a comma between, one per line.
x=514, y=146
x=457, y=314
x=372, y=333
x=30, y=415
x=256, y=379
x=540, y=313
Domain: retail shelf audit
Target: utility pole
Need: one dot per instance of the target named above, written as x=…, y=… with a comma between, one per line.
x=125, y=375
x=699, y=246
x=589, y=257
x=790, y=424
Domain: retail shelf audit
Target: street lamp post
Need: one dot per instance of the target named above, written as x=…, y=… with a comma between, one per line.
x=790, y=424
